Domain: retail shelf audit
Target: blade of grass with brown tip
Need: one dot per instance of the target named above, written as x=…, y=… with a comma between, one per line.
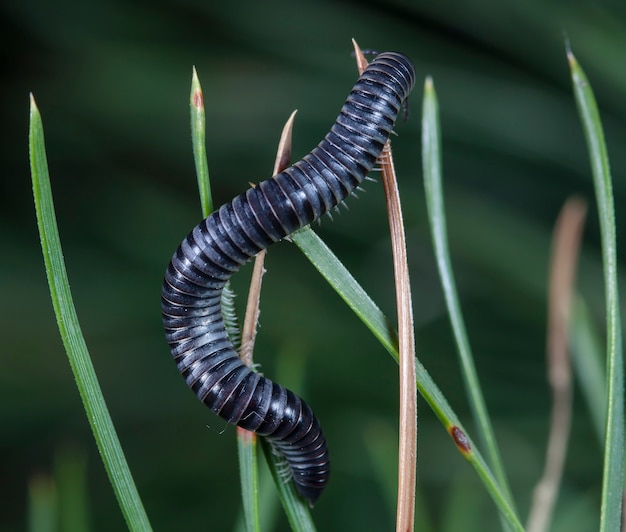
x=198, y=143
x=198, y=136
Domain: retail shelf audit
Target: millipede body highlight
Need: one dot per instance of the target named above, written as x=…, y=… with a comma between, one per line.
x=232, y=235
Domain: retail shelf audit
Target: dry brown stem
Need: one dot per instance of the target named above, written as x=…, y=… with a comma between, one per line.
x=407, y=447
x=565, y=250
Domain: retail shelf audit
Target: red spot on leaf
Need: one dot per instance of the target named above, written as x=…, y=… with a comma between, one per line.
x=198, y=100
x=460, y=439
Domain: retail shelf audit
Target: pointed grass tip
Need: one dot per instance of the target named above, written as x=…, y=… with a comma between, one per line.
x=568, y=50
x=197, y=99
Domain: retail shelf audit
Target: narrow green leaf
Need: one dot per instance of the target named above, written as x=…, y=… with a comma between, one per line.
x=249, y=476
x=198, y=143
x=357, y=299
x=613, y=475
x=431, y=162
x=246, y=444
x=198, y=135
x=269, y=506
x=71, y=334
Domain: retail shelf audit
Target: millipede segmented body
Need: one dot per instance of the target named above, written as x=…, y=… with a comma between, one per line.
x=232, y=235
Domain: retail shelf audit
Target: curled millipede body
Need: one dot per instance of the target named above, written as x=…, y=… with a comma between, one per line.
x=232, y=235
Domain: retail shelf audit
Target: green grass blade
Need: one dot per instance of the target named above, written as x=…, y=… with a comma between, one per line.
x=198, y=143
x=357, y=299
x=246, y=445
x=297, y=511
x=269, y=507
x=431, y=161
x=198, y=135
x=249, y=476
x=613, y=474
x=71, y=334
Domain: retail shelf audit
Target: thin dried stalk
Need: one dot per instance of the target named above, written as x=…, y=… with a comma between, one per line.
x=565, y=250
x=407, y=451
x=251, y=320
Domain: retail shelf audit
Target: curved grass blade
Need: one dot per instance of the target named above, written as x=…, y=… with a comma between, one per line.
x=431, y=161
x=71, y=334
x=613, y=474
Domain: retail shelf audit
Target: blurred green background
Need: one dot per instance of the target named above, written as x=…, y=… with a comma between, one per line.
x=112, y=81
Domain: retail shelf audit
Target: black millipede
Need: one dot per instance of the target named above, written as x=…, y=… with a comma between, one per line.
x=231, y=236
